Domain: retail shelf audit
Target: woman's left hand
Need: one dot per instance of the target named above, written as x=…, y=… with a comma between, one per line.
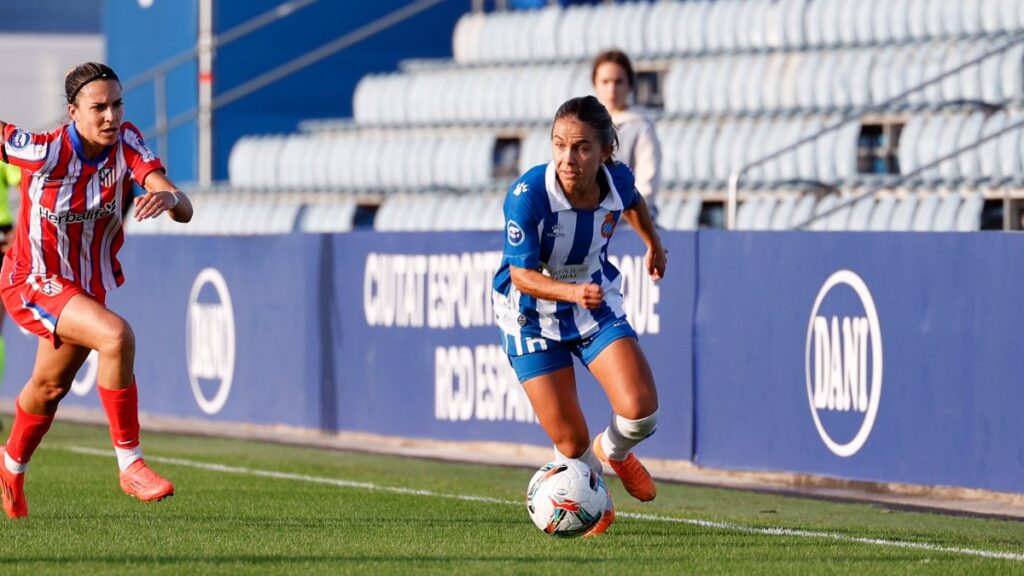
x=656, y=260
x=153, y=204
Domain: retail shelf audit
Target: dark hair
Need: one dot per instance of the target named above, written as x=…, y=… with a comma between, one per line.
x=618, y=57
x=83, y=74
x=590, y=111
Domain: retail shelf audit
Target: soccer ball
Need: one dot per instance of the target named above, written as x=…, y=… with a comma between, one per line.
x=566, y=499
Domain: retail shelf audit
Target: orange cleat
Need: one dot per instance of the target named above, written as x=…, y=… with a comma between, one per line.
x=606, y=520
x=635, y=478
x=141, y=482
x=12, y=487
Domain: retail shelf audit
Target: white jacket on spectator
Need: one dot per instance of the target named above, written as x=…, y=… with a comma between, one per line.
x=640, y=150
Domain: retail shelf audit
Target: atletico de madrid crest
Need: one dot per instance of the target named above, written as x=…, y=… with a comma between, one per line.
x=49, y=285
x=107, y=176
x=608, y=226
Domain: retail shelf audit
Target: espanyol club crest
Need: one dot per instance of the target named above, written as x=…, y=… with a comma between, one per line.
x=608, y=226
x=107, y=176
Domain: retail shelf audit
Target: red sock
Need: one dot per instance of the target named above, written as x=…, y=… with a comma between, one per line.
x=26, y=433
x=122, y=408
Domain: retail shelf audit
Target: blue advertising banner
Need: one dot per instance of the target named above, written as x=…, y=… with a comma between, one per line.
x=879, y=357
x=226, y=329
x=417, y=352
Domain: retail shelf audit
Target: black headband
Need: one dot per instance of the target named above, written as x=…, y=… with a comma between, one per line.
x=99, y=76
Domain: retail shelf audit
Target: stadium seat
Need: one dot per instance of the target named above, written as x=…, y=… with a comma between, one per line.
x=747, y=212
x=860, y=214
x=949, y=135
x=765, y=212
x=881, y=216
x=783, y=214
x=924, y=216
x=968, y=219
x=970, y=132
x=903, y=214
x=670, y=202
x=838, y=221
x=988, y=152
x=821, y=219
x=689, y=215
x=1010, y=150
x=946, y=213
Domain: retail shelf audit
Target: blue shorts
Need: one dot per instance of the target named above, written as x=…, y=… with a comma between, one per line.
x=537, y=356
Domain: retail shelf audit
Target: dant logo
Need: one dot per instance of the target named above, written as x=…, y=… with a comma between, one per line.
x=210, y=340
x=520, y=188
x=843, y=363
x=19, y=140
x=515, y=233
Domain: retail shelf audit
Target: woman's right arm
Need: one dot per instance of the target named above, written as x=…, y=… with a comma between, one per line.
x=533, y=283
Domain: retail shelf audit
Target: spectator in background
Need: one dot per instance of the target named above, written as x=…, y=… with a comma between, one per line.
x=556, y=296
x=614, y=81
x=62, y=263
x=10, y=178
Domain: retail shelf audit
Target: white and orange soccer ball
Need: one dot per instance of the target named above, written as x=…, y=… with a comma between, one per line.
x=566, y=499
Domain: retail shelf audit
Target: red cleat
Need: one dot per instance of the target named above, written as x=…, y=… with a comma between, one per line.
x=12, y=487
x=635, y=478
x=606, y=520
x=141, y=482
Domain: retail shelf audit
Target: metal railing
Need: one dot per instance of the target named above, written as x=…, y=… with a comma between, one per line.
x=856, y=115
x=158, y=73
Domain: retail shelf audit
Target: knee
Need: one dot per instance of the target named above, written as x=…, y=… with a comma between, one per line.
x=48, y=391
x=119, y=338
x=637, y=429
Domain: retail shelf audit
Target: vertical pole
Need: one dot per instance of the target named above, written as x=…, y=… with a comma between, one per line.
x=205, y=120
x=160, y=96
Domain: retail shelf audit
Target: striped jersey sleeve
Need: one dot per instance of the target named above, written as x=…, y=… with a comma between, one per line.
x=25, y=150
x=140, y=159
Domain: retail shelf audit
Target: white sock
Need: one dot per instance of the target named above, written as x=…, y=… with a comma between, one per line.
x=588, y=458
x=623, y=434
x=127, y=456
x=13, y=466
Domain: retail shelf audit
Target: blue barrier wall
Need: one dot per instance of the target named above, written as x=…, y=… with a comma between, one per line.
x=878, y=357
x=263, y=355
x=384, y=333
x=417, y=352
x=946, y=338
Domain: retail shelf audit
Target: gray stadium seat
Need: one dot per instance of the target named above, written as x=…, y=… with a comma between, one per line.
x=860, y=214
x=689, y=216
x=763, y=217
x=803, y=211
x=881, y=216
x=946, y=213
x=968, y=219
x=903, y=215
x=783, y=215
x=826, y=203
x=924, y=217
x=747, y=212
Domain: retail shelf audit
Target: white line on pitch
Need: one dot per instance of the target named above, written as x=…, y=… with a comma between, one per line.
x=647, y=517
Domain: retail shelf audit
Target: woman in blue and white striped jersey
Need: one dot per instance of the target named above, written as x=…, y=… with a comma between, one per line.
x=556, y=295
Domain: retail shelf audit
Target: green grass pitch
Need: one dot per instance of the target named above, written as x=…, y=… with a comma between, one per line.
x=246, y=507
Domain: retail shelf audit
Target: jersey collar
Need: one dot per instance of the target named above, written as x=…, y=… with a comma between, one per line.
x=76, y=142
x=556, y=196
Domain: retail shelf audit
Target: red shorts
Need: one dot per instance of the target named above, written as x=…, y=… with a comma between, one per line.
x=35, y=301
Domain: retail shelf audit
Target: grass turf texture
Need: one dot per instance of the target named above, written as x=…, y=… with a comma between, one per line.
x=232, y=523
